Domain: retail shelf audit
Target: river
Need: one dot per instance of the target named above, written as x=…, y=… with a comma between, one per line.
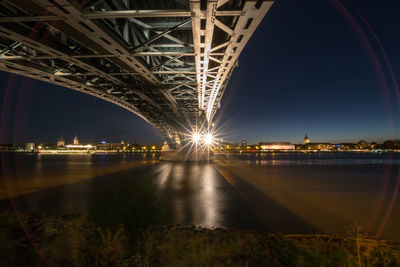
x=273, y=192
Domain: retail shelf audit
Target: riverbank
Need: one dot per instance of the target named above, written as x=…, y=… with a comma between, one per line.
x=74, y=240
x=215, y=151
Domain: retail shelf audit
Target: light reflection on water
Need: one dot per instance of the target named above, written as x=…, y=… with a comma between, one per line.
x=204, y=195
x=162, y=175
x=310, y=158
x=192, y=194
x=209, y=196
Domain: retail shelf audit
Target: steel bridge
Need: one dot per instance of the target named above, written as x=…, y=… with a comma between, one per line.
x=167, y=61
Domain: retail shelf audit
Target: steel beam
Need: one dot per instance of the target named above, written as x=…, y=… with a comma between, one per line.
x=152, y=14
x=169, y=66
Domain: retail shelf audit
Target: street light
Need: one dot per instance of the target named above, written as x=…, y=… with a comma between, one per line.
x=196, y=137
x=208, y=139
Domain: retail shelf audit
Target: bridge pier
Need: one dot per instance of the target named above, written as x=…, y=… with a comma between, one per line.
x=187, y=155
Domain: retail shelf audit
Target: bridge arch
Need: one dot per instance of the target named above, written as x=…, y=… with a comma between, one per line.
x=170, y=65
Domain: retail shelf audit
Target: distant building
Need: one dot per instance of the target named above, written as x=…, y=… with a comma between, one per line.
x=388, y=144
x=325, y=146
x=276, y=146
x=5, y=147
x=76, y=140
x=226, y=145
x=165, y=146
x=74, y=146
x=244, y=142
x=317, y=146
x=18, y=147
x=29, y=146
x=374, y=145
x=61, y=141
x=346, y=146
x=362, y=145
x=109, y=146
x=306, y=140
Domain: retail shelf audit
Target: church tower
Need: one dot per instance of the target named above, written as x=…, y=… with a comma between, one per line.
x=61, y=141
x=76, y=140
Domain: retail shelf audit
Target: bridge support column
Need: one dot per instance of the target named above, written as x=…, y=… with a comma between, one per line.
x=186, y=155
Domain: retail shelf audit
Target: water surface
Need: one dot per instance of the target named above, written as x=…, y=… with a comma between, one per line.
x=275, y=192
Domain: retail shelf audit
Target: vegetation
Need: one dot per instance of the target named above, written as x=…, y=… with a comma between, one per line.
x=72, y=240
x=122, y=202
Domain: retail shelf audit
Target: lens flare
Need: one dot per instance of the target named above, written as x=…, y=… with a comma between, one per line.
x=196, y=137
x=208, y=139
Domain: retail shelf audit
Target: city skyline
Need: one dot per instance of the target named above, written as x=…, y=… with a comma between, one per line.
x=325, y=85
x=72, y=140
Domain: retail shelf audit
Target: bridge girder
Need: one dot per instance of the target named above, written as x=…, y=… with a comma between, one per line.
x=167, y=61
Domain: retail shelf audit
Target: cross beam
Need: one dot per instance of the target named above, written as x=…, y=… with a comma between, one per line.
x=170, y=65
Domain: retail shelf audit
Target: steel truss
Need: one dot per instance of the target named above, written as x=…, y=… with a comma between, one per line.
x=168, y=61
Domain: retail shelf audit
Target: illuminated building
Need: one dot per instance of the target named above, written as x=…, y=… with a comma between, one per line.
x=316, y=147
x=374, y=145
x=324, y=146
x=111, y=146
x=306, y=140
x=76, y=140
x=346, y=146
x=227, y=147
x=61, y=141
x=29, y=146
x=362, y=145
x=79, y=146
x=244, y=142
x=165, y=146
x=277, y=146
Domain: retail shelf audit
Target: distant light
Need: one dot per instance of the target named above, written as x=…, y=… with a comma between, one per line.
x=208, y=139
x=103, y=142
x=79, y=146
x=196, y=137
x=153, y=147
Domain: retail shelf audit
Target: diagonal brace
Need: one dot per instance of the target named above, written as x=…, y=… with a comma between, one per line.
x=166, y=62
x=161, y=34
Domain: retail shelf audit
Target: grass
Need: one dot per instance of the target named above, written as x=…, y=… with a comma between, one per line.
x=72, y=240
x=122, y=200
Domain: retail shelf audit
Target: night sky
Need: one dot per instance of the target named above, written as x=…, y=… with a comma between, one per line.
x=321, y=67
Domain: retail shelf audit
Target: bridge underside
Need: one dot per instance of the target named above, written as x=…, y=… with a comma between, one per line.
x=168, y=61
